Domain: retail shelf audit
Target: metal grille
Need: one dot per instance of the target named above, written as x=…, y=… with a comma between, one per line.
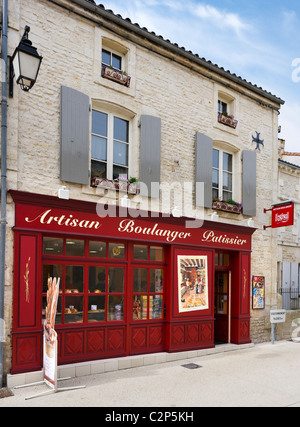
x=191, y=366
x=290, y=298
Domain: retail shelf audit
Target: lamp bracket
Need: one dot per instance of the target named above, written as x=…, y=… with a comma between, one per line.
x=26, y=32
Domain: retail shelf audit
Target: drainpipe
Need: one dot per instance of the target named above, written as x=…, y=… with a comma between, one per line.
x=3, y=178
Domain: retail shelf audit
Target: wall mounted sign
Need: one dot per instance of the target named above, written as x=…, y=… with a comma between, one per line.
x=258, y=292
x=192, y=283
x=277, y=316
x=283, y=216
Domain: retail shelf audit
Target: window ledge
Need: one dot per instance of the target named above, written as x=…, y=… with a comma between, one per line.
x=131, y=188
x=227, y=207
x=227, y=121
x=116, y=75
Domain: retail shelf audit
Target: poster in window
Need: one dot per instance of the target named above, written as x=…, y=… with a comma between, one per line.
x=258, y=292
x=192, y=283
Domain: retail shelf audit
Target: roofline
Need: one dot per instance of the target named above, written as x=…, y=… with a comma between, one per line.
x=173, y=47
x=292, y=165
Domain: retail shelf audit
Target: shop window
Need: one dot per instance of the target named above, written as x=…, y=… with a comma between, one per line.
x=222, y=174
x=148, y=287
x=110, y=146
x=97, y=249
x=73, y=309
x=222, y=259
x=96, y=310
x=74, y=247
x=116, y=280
x=96, y=288
x=140, y=252
x=97, y=279
x=52, y=270
x=52, y=246
x=156, y=254
x=152, y=253
x=73, y=279
x=116, y=251
x=106, y=293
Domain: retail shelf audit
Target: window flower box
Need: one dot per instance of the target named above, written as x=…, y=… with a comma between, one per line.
x=227, y=120
x=222, y=205
x=116, y=185
x=116, y=75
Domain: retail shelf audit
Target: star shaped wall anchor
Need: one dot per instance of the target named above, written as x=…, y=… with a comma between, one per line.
x=258, y=141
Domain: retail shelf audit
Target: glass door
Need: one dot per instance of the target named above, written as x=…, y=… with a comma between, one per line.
x=222, y=306
x=147, y=280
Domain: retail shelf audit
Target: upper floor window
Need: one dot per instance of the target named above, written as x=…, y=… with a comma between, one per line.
x=222, y=108
x=114, y=68
x=110, y=146
x=226, y=110
x=222, y=175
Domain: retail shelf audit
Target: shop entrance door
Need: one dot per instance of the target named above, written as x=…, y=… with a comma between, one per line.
x=222, y=307
x=146, y=299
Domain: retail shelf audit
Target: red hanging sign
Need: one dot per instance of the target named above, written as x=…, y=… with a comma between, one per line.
x=283, y=216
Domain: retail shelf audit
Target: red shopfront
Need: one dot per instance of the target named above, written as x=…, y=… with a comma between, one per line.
x=129, y=284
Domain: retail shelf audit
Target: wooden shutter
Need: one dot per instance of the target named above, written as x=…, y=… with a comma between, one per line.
x=74, y=158
x=294, y=280
x=286, y=285
x=150, y=155
x=249, y=183
x=203, y=164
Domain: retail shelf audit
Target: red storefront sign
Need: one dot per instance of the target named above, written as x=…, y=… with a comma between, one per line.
x=152, y=229
x=283, y=216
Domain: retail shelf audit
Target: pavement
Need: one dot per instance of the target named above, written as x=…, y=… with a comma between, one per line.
x=266, y=375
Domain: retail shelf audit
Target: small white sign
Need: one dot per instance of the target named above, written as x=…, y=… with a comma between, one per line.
x=277, y=316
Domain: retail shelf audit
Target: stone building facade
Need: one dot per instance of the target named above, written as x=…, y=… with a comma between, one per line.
x=180, y=114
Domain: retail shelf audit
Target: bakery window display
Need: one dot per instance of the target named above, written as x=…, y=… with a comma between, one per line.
x=148, y=290
x=73, y=309
x=96, y=308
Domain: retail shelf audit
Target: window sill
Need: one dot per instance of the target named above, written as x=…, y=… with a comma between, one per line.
x=227, y=121
x=227, y=207
x=116, y=186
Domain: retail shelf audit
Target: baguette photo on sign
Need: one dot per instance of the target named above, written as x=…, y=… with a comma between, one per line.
x=49, y=323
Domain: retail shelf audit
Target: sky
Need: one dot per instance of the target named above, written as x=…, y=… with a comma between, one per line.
x=257, y=40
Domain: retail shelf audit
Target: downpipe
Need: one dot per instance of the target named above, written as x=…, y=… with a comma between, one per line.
x=3, y=182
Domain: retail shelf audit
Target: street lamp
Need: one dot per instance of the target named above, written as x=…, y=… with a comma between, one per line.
x=26, y=63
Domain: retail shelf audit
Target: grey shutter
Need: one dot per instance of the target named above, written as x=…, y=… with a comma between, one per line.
x=74, y=158
x=249, y=183
x=294, y=280
x=286, y=285
x=203, y=164
x=150, y=155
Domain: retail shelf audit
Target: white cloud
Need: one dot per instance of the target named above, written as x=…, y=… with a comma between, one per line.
x=290, y=127
x=219, y=18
